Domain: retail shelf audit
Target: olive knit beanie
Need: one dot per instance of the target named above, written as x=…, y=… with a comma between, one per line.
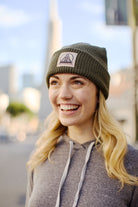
x=83, y=59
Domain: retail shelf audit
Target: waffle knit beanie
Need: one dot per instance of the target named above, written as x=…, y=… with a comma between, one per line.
x=83, y=59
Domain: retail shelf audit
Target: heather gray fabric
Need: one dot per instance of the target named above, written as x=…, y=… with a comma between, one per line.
x=98, y=190
x=82, y=177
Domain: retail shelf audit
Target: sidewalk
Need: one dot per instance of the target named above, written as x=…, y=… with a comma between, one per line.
x=13, y=176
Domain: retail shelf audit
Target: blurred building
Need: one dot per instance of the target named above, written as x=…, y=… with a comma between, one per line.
x=31, y=98
x=28, y=80
x=53, y=44
x=4, y=102
x=116, y=12
x=121, y=101
x=125, y=12
x=8, y=80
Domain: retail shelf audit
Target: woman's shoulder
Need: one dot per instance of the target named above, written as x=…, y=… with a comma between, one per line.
x=132, y=152
x=131, y=159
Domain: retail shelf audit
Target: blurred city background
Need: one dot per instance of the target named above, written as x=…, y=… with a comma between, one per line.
x=30, y=31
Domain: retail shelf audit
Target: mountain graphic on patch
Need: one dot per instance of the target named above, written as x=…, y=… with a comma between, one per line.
x=67, y=59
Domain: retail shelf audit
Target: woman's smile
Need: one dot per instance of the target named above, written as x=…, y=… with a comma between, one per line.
x=68, y=107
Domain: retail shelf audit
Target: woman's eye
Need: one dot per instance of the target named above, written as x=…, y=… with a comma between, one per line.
x=53, y=82
x=78, y=82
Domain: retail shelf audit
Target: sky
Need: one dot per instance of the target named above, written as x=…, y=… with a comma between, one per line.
x=24, y=33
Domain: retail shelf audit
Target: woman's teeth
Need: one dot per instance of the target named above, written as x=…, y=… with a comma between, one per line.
x=68, y=107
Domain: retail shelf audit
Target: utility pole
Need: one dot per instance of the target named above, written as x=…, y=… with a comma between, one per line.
x=133, y=23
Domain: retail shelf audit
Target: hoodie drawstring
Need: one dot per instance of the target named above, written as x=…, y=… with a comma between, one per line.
x=82, y=177
x=83, y=174
x=64, y=175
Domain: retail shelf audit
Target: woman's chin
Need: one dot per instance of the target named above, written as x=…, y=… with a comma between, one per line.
x=67, y=123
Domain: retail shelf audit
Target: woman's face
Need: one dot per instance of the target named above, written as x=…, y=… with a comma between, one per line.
x=73, y=98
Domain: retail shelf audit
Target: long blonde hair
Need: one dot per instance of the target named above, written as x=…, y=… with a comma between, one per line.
x=107, y=132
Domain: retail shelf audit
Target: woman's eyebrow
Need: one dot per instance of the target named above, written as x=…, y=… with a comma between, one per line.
x=75, y=77
x=54, y=76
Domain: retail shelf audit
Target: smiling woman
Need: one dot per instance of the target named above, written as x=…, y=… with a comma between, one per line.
x=74, y=99
x=83, y=158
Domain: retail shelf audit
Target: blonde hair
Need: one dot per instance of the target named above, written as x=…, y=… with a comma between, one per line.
x=107, y=132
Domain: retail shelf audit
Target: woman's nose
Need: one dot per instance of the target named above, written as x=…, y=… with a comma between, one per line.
x=65, y=92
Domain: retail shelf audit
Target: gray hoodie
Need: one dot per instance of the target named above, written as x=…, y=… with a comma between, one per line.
x=77, y=177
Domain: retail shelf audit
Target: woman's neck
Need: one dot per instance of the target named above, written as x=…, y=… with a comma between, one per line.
x=80, y=135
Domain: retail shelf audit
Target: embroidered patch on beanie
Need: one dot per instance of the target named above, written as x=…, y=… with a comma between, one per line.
x=67, y=59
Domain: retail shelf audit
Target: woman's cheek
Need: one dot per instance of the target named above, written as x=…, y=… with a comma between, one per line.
x=52, y=95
